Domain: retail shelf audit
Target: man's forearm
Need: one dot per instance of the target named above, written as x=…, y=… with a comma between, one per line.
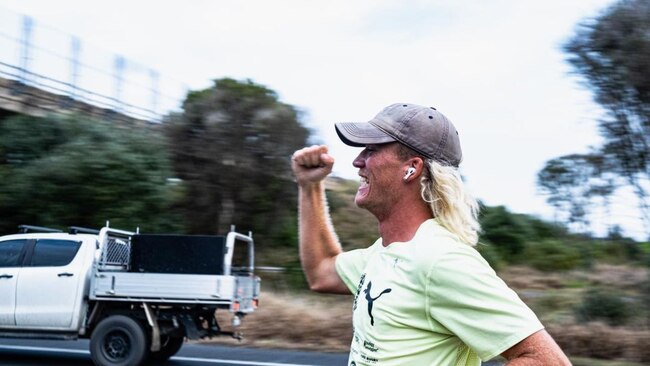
x=319, y=245
x=536, y=350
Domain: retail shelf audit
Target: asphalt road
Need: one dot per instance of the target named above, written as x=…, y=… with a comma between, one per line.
x=21, y=352
x=14, y=352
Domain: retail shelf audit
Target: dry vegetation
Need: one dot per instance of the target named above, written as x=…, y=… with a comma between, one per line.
x=608, y=275
x=305, y=321
x=598, y=340
x=553, y=296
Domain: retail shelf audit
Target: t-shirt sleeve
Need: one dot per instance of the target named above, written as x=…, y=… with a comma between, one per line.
x=350, y=266
x=465, y=295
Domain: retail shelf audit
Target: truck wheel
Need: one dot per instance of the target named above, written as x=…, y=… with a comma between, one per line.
x=118, y=341
x=169, y=346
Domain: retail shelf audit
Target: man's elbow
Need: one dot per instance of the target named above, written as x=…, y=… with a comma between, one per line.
x=328, y=286
x=319, y=288
x=319, y=285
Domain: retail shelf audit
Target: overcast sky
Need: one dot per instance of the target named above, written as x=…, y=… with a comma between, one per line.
x=495, y=68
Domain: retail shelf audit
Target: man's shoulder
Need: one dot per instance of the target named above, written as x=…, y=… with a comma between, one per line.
x=362, y=253
x=434, y=237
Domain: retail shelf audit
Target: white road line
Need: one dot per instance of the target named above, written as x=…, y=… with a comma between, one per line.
x=236, y=362
x=188, y=359
x=46, y=349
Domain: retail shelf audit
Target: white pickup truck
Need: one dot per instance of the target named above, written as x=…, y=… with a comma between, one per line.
x=136, y=296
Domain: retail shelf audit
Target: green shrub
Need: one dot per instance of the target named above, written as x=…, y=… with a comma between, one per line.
x=618, y=251
x=491, y=255
x=554, y=305
x=586, y=250
x=645, y=247
x=552, y=255
x=605, y=306
x=506, y=231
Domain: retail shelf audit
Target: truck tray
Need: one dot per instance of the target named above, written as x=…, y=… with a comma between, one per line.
x=165, y=287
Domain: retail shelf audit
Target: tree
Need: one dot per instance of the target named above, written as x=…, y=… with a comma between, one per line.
x=64, y=171
x=231, y=148
x=611, y=54
x=511, y=234
x=507, y=232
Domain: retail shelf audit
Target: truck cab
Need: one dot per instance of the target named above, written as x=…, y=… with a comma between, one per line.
x=43, y=279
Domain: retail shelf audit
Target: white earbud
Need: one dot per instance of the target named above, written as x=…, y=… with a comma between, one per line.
x=409, y=172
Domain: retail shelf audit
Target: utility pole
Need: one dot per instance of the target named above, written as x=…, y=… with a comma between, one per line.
x=25, y=48
x=118, y=76
x=155, y=92
x=75, y=51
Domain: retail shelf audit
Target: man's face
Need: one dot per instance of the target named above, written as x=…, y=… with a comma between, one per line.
x=381, y=173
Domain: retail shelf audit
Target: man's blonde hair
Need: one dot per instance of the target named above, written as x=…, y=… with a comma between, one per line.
x=450, y=202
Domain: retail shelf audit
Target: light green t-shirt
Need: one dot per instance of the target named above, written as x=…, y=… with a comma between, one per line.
x=433, y=301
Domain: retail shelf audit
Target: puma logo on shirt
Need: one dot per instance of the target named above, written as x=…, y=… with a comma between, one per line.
x=371, y=300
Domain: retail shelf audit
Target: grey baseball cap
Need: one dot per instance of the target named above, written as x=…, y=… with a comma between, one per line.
x=423, y=129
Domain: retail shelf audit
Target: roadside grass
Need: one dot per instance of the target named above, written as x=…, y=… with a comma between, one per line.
x=555, y=298
x=607, y=275
x=601, y=341
x=295, y=320
x=583, y=361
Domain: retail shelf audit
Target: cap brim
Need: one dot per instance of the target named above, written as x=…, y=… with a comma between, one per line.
x=361, y=134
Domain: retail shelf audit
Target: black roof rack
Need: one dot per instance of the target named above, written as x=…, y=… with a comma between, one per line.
x=37, y=229
x=82, y=230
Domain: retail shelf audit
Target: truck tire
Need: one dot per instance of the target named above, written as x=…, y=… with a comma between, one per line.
x=169, y=346
x=118, y=341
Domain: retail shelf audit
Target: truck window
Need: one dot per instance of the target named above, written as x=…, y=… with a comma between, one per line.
x=240, y=259
x=53, y=252
x=10, y=252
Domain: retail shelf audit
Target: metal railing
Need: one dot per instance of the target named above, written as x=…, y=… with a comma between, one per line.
x=35, y=56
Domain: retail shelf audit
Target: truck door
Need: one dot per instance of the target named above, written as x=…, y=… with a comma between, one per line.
x=11, y=255
x=48, y=285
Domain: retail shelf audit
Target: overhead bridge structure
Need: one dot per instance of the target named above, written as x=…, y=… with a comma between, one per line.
x=17, y=97
x=43, y=71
